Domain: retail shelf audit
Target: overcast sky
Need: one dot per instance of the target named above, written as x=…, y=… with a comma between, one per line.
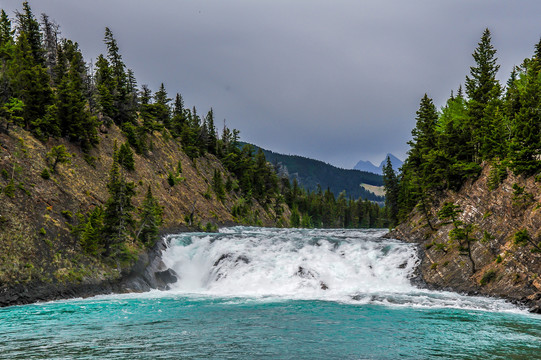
x=338, y=81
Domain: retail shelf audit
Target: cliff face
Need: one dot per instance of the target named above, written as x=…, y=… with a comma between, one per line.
x=505, y=255
x=39, y=256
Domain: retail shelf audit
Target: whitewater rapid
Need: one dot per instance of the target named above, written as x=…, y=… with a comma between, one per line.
x=354, y=266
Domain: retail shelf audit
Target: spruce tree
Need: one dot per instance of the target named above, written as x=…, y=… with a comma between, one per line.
x=390, y=183
x=118, y=221
x=125, y=157
x=30, y=83
x=28, y=25
x=483, y=90
x=151, y=220
x=525, y=146
x=161, y=107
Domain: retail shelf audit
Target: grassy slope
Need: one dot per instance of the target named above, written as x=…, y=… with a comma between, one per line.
x=36, y=246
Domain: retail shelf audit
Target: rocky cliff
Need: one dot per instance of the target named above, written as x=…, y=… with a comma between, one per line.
x=504, y=256
x=40, y=257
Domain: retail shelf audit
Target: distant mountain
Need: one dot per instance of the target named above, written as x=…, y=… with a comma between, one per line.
x=369, y=167
x=309, y=173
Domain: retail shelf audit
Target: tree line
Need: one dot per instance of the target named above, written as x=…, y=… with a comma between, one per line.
x=484, y=122
x=48, y=89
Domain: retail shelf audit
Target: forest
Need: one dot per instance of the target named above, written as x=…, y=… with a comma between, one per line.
x=483, y=122
x=49, y=90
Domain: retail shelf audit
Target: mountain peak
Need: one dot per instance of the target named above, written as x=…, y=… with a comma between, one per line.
x=364, y=165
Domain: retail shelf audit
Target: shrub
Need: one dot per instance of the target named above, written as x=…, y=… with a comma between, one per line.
x=489, y=276
x=45, y=174
x=522, y=237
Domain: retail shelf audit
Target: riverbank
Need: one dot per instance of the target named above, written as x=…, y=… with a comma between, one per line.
x=497, y=261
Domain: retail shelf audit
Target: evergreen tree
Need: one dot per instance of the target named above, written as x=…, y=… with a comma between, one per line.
x=151, y=220
x=6, y=33
x=91, y=237
x=218, y=185
x=118, y=219
x=161, y=107
x=58, y=155
x=125, y=157
x=390, y=182
x=525, y=145
x=105, y=88
x=29, y=26
x=76, y=123
x=483, y=90
x=30, y=83
x=11, y=113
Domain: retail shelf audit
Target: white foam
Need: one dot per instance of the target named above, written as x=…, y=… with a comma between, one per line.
x=353, y=266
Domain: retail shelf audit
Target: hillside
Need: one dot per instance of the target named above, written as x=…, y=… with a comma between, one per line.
x=38, y=247
x=505, y=249
x=309, y=173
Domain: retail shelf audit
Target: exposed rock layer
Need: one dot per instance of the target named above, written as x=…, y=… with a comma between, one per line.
x=503, y=268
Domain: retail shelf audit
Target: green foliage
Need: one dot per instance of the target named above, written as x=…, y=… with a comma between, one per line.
x=210, y=228
x=390, y=182
x=91, y=234
x=9, y=189
x=10, y=113
x=449, y=211
x=171, y=179
x=498, y=259
x=118, y=221
x=42, y=231
x=488, y=276
x=125, y=157
x=497, y=175
x=522, y=237
x=313, y=173
x=45, y=174
x=150, y=220
x=58, y=155
x=295, y=218
x=208, y=194
x=521, y=198
x=218, y=185
x=487, y=237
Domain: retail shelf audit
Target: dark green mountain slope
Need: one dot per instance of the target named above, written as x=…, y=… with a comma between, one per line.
x=309, y=173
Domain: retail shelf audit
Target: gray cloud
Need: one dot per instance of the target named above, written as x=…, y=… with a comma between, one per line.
x=338, y=81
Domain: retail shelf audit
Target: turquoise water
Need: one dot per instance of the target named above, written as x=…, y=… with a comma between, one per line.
x=278, y=312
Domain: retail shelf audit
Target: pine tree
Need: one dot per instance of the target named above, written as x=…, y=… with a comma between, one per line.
x=161, y=107
x=218, y=185
x=58, y=155
x=106, y=88
x=211, y=130
x=151, y=220
x=11, y=113
x=390, y=182
x=483, y=90
x=29, y=26
x=76, y=123
x=91, y=237
x=125, y=157
x=6, y=33
x=118, y=219
x=525, y=145
x=30, y=83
